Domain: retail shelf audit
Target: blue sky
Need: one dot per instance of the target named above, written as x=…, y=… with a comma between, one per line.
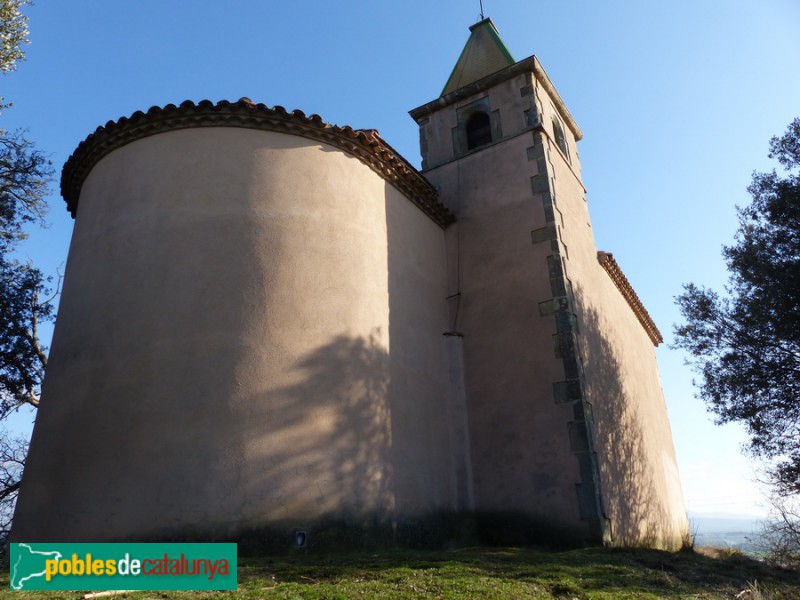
x=677, y=102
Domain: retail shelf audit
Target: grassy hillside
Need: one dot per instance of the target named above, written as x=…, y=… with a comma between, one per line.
x=488, y=573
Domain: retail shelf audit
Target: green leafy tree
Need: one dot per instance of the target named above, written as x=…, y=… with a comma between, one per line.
x=24, y=177
x=745, y=342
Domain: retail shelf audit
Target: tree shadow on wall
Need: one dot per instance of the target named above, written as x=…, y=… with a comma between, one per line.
x=629, y=449
x=319, y=452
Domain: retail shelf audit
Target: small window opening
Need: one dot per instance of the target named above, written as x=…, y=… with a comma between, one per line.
x=300, y=538
x=479, y=130
x=561, y=141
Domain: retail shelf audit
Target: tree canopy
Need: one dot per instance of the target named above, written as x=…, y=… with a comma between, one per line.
x=745, y=342
x=14, y=33
x=24, y=178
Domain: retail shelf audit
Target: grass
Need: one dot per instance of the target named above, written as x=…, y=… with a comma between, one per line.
x=490, y=573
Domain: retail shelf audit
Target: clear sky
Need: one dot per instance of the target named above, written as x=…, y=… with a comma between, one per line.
x=677, y=101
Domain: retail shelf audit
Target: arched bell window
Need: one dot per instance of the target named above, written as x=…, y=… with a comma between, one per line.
x=479, y=130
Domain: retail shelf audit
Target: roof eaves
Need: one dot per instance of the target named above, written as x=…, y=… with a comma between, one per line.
x=606, y=259
x=364, y=144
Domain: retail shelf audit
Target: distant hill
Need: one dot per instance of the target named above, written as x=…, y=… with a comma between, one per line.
x=727, y=531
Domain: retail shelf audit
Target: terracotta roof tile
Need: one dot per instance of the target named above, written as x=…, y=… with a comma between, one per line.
x=364, y=144
x=606, y=259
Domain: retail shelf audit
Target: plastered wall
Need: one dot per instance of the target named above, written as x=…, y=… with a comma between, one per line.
x=249, y=333
x=522, y=457
x=566, y=411
x=639, y=484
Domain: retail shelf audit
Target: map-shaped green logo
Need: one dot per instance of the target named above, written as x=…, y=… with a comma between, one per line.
x=122, y=566
x=28, y=564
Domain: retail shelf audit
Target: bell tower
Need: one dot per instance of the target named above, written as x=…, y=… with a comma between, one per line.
x=557, y=349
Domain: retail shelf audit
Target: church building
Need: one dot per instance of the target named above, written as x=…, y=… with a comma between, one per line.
x=270, y=323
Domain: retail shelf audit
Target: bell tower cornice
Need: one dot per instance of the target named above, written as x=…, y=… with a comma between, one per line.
x=526, y=65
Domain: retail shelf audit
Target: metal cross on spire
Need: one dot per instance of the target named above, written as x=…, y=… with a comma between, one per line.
x=481, y=3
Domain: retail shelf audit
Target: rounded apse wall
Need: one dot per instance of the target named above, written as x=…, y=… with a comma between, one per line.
x=221, y=358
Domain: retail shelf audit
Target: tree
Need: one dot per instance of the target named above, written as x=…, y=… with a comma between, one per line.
x=745, y=343
x=24, y=178
x=13, y=451
x=22, y=357
x=780, y=534
x=13, y=34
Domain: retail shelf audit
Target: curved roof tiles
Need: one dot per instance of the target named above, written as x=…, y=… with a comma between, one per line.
x=364, y=144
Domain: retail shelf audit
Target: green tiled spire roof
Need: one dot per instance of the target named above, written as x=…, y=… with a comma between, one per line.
x=484, y=54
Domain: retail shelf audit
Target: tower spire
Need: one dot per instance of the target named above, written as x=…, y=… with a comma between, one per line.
x=484, y=54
